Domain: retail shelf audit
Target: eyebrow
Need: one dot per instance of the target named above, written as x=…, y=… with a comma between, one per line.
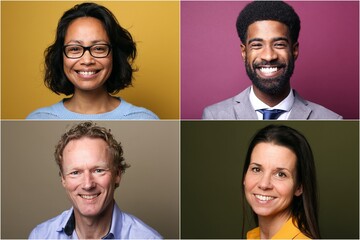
x=81, y=42
x=255, y=40
x=101, y=166
x=273, y=39
x=283, y=169
x=255, y=164
x=278, y=168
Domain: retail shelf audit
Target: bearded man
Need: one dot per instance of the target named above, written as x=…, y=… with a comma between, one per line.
x=269, y=32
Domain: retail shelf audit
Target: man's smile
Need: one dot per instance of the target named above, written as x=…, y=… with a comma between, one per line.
x=269, y=72
x=88, y=196
x=268, y=69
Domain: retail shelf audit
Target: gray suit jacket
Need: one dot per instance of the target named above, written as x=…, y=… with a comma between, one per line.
x=239, y=107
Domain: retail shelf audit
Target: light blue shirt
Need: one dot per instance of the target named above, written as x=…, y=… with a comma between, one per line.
x=125, y=111
x=123, y=226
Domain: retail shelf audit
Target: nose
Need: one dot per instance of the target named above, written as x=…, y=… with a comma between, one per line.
x=87, y=59
x=88, y=182
x=268, y=54
x=265, y=182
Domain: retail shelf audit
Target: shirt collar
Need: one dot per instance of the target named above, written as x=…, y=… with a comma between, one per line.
x=65, y=221
x=68, y=224
x=116, y=223
x=289, y=230
x=285, y=104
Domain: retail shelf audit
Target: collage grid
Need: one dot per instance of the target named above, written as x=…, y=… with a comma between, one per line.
x=185, y=179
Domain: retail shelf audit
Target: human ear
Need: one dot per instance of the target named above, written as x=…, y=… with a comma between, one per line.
x=62, y=179
x=117, y=177
x=298, y=191
x=295, y=50
x=243, y=51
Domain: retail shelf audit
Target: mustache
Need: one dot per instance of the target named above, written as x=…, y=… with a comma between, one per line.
x=269, y=63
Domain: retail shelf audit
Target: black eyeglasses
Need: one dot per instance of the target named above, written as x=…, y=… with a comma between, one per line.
x=74, y=51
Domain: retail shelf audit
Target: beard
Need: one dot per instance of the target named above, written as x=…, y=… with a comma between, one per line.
x=271, y=86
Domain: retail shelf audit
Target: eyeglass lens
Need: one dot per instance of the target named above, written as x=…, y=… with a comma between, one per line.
x=77, y=51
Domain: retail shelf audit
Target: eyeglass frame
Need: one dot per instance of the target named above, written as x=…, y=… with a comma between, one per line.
x=86, y=49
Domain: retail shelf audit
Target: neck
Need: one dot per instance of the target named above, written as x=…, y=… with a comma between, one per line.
x=272, y=100
x=93, y=227
x=91, y=102
x=269, y=226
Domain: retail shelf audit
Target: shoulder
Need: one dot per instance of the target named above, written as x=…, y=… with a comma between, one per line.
x=320, y=112
x=130, y=111
x=132, y=227
x=224, y=109
x=317, y=111
x=253, y=234
x=221, y=105
x=301, y=236
x=50, y=112
x=290, y=231
x=51, y=228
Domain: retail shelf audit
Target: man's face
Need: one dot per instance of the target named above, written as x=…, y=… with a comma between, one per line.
x=269, y=56
x=88, y=176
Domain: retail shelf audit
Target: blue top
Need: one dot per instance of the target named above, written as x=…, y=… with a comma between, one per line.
x=125, y=111
x=123, y=226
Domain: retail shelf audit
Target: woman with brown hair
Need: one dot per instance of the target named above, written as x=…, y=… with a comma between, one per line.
x=279, y=183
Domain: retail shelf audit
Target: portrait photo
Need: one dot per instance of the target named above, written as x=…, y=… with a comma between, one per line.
x=213, y=156
x=32, y=189
x=30, y=27
x=326, y=70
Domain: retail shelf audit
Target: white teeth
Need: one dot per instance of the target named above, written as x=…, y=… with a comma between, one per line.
x=264, y=198
x=86, y=73
x=89, y=196
x=268, y=70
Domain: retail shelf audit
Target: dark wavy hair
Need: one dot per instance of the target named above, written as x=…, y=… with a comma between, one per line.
x=304, y=208
x=91, y=130
x=268, y=10
x=122, y=46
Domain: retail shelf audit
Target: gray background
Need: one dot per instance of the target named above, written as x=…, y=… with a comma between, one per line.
x=212, y=158
x=31, y=191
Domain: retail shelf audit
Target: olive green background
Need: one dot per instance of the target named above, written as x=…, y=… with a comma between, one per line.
x=212, y=157
x=31, y=191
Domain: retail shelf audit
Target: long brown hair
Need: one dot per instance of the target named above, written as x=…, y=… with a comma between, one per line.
x=304, y=209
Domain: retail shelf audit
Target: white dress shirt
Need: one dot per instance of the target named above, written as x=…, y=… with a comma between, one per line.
x=285, y=104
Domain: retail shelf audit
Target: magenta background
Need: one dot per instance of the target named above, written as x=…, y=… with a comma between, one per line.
x=326, y=72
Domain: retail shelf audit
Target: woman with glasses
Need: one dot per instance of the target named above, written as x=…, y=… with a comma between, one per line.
x=91, y=59
x=279, y=183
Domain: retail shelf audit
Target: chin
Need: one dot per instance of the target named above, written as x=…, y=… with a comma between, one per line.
x=271, y=86
x=263, y=212
x=89, y=88
x=90, y=212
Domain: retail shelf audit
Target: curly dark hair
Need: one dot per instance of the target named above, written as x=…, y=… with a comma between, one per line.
x=304, y=209
x=91, y=130
x=268, y=10
x=122, y=46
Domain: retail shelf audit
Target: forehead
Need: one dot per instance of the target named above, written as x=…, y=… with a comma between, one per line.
x=86, y=150
x=86, y=28
x=270, y=155
x=267, y=30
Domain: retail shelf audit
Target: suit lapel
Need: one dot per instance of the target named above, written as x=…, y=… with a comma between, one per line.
x=244, y=110
x=300, y=109
x=242, y=106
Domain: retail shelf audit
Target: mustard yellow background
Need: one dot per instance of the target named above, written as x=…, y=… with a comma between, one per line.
x=28, y=28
